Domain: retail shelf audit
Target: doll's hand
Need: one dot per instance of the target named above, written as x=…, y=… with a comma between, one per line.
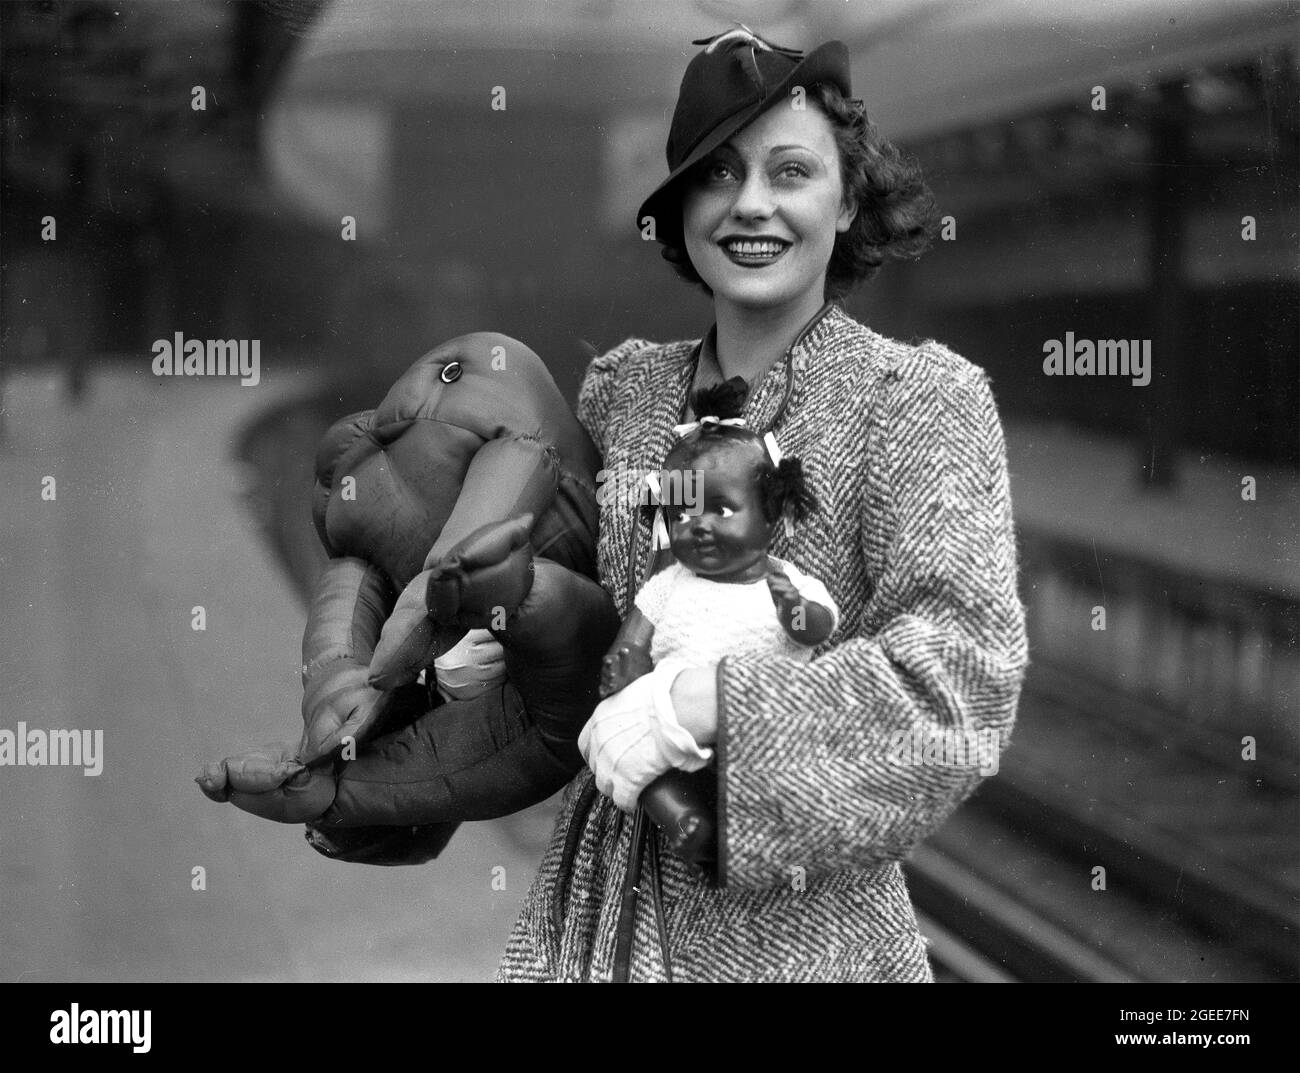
x=784, y=594
x=623, y=665
x=805, y=621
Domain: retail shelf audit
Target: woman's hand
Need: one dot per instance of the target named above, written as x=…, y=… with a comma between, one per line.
x=474, y=665
x=634, y=736
x=695, y=701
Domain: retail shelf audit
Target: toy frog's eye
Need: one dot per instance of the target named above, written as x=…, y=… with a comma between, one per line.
x=450, y=372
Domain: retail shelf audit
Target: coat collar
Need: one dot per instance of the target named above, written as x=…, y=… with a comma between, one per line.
x=769, y=399
x=670, y=377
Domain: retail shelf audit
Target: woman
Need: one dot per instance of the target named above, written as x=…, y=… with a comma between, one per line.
x=780, y=198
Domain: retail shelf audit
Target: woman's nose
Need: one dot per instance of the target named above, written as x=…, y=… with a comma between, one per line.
x=753, y=199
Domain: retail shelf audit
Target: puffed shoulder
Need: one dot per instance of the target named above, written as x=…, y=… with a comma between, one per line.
x=933, y=359
x=873, y=360
x=597, y=388
x=934, y=393
x=607, y=363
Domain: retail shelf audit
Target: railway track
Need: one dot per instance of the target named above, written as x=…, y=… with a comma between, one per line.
x=1200, y=858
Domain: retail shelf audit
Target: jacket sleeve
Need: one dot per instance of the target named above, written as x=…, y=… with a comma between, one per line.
x=597, y=390
x=821, y=764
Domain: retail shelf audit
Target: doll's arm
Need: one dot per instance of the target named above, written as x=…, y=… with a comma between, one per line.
x=628, y=657
x=806, y=621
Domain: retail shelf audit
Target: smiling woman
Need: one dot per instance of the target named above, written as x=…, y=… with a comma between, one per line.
x=894, y=212
x=781, y=197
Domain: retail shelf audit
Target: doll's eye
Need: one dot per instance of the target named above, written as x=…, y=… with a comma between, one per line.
x=681, y=516
x=726, y=512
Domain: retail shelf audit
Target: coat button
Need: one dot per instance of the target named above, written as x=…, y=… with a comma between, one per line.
x=450, y=372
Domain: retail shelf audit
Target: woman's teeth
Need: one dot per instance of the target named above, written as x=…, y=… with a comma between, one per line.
x=755, y=250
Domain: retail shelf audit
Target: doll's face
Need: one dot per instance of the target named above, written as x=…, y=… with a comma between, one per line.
x=725, y=538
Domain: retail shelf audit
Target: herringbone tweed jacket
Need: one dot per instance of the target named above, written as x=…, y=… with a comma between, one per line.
x=914, y=539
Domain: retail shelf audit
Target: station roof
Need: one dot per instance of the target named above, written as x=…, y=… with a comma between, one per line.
x=923, y=66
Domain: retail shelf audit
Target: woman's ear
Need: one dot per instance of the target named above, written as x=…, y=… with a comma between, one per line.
x=848, y=212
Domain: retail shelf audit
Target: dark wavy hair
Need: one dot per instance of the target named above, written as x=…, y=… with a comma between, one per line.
x=896, y=216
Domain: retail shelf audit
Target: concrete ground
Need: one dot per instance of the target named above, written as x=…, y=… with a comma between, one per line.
x=98, y=588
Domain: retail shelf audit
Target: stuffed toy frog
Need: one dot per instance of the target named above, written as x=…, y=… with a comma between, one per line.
x=465, y=501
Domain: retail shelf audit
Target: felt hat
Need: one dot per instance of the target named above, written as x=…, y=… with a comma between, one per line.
x=735, y=79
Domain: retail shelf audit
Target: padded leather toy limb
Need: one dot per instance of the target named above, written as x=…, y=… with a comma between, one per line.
x=381, y=845
x=503, y=751
x=485, y=576
x=348, y=611
x=506, y=478
x=269, y=782
x=292, y=785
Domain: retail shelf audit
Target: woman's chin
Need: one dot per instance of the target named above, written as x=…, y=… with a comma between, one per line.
x=754, y=293
x=757, y=288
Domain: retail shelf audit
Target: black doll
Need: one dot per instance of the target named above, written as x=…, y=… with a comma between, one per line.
x=723, y=491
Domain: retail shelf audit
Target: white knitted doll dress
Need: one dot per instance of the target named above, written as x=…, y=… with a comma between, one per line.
x=698, y=621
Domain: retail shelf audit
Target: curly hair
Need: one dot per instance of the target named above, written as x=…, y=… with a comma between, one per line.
x=896, y=216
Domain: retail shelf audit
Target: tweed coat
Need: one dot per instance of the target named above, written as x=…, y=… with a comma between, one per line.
x=817, y=804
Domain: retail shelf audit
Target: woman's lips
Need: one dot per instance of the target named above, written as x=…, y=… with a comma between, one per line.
x=753, y=252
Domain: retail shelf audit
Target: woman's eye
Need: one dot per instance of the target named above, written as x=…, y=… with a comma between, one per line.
x=792, y=170
x=726, y=512
x=718, y=172
x=681, y=517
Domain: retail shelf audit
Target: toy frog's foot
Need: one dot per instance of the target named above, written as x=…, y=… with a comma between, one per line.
x=481, y=580
x=269, y=782
x=484, y=577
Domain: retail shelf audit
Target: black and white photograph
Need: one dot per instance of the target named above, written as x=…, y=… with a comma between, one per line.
x=681, y=491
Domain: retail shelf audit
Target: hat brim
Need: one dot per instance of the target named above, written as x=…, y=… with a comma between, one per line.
x=826, y=63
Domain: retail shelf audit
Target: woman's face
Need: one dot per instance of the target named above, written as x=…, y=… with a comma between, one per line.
x=761, y=212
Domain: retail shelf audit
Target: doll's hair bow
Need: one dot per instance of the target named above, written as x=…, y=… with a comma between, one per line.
x=684, y=430
x=769, y=440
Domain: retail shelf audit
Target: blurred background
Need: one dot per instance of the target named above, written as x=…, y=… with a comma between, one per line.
x=1162, y=749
